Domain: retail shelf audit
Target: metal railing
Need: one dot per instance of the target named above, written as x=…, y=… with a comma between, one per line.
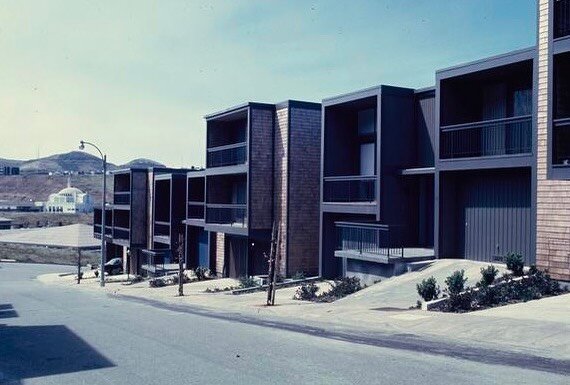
x=227, y=214
x=349, y=188
x=122, y=198
x=561, y=18
x=161, y=229
x=369, y=238
x=120, y=233
x=561, y=142
x=228, y=155
x=488, y=138
x=195, y=210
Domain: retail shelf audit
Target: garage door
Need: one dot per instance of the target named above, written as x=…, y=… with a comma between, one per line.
x=496, y=208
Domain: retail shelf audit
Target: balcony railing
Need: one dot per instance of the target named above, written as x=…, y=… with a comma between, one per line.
x=227, y=214
x=349, y=189
x=489, y=138
x=561, y=142
x=122, y=198
x=230, y=155
x=561, y=18
x=97, y=230
x=120, y=233
x=195, y=210
x=162, y=229
x=369, y=239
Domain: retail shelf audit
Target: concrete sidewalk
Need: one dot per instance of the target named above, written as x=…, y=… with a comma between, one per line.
x=540, y=328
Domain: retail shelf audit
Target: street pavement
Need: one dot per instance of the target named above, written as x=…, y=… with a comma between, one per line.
x=52, y=334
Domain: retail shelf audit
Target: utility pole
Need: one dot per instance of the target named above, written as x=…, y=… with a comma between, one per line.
x=78, y=266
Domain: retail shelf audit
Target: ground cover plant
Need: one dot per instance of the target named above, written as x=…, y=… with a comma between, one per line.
x=490, y=291
x=340, y=288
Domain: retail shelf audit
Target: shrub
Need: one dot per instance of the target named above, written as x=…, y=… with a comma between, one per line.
x=488, y=275
x=461, y=302
x=489, y=296
x=515, y=264
x=175, y=280
x=456, y=282
x=428, y=289
x=245, y=282
x=298, y=275
x=156, y=282
x=341, y=288
x=202, y=273
x=306, y=292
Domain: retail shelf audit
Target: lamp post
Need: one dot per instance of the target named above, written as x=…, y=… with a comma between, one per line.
x=103, y=213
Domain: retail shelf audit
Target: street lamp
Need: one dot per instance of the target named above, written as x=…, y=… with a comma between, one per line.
x=103, y=214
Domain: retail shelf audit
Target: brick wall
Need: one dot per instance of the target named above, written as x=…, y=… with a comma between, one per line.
x=281, y=152
x=304, y=190
x=553, y=196
x=220, y=252
x=261, y=166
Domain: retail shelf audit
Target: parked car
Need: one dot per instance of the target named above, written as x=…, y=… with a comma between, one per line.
x=114, y=266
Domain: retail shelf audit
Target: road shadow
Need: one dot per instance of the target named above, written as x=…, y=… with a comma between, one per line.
x=38, y=351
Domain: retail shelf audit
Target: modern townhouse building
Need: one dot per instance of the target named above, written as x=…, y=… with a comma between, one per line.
x=486, y=159
x=262, y=168
x=144, y=218
x=377, y=181
x=125, y=217
x=167, y=206
x=553, y=132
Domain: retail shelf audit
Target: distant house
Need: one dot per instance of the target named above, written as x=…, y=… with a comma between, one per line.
x=70, y=200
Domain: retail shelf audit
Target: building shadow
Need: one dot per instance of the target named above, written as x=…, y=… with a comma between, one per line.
x=38, y=351
x=7, y=311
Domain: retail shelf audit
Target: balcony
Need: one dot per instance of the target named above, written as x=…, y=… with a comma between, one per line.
x=122, y=198
x=195, y=210
x=369, y=241
x=349, y=189
x=497, y=137
x=561, y=18
x=121, y=233
x=561, y=143
x=234, y=215
x=228, y=155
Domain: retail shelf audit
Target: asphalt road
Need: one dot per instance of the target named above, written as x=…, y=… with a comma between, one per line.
x=55, y=335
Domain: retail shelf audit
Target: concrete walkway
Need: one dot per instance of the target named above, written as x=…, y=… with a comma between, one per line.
x=540, y=328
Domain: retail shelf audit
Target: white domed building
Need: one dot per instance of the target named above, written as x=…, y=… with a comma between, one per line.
x=70, y=200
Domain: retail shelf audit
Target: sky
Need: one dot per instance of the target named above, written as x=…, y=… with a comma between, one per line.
x=137, y=77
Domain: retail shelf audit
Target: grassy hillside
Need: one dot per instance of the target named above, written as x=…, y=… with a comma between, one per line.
x=30, y=188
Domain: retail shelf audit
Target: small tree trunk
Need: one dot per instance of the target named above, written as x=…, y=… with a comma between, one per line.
x=180, y=252
x=78, y=266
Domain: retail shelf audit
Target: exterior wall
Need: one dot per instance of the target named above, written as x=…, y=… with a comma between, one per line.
x=281, y=188
x=220, y=253
x=303, y=190
x=138, y=208
x=553, y=196
x=261, y=169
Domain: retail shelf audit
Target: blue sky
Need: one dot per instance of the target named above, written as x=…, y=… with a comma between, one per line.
x=137, y=77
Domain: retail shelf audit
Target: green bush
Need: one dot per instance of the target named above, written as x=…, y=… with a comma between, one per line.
x=456, y=282
x=341, y=288
x=202, y=273
x=245, y=282
x=157, y=282
x=488, y=275
x=515, y=263
x=306, y=292
x=298, y=275
x=428, y=289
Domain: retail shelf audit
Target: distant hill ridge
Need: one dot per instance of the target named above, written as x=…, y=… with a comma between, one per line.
x=74, y=161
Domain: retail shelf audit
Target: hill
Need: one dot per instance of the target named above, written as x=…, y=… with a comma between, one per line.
x=75, y=161
x=72, y=162
x=142, y=163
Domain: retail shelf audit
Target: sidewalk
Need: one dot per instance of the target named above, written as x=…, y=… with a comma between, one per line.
x=540, y=328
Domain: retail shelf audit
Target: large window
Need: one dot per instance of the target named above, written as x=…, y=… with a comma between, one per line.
x=561, y=18
x=561, y=111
